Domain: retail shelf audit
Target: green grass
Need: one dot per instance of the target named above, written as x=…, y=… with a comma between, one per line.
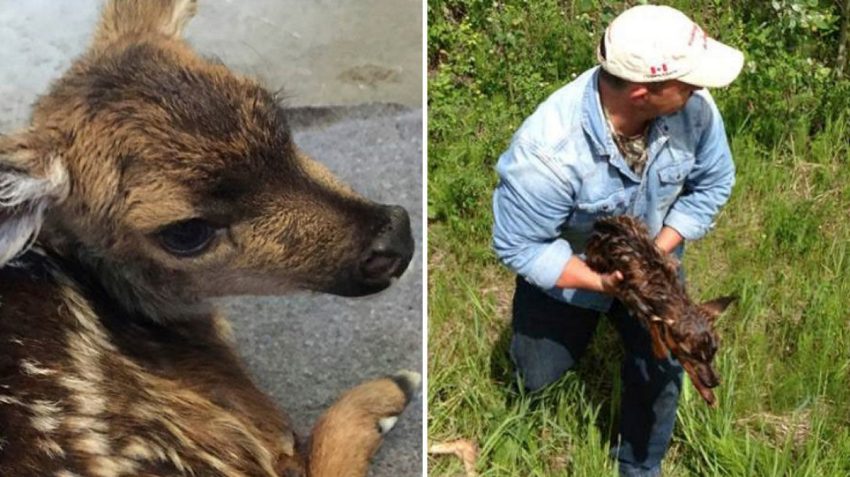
x=782, y=244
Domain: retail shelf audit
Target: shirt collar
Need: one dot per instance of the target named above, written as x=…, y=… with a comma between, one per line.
x=592, y=119
x=594, y=124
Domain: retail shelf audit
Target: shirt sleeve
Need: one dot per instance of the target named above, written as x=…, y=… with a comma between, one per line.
x=531, y=202
x=708, y=185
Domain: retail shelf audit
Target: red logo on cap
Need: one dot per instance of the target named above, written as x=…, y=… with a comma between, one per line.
x=658, y=70
x=696, y=29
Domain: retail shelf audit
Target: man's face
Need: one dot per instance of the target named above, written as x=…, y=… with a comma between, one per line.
x=668, y=97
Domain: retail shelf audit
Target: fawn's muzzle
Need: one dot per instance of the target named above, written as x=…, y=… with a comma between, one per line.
x=385, y=258
x=704, y=379
x=390, y=251
x=707, y=375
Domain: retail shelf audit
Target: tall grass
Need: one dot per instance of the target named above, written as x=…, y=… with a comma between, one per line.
x=782, y=244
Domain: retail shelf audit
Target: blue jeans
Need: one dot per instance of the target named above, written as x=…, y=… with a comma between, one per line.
x=550, y=336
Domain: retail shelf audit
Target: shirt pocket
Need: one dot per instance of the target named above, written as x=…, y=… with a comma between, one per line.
x=671, y=181
x=588, y=212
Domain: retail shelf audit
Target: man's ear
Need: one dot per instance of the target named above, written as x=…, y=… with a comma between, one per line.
x=32, y=178
x=638, y=93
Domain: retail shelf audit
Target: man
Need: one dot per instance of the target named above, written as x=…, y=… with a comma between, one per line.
x=637, y=135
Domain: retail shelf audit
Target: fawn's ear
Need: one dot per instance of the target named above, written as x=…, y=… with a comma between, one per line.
x=718, y=305
x=128, y=17
x=32, y=177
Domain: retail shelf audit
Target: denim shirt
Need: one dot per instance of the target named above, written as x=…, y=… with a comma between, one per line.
x=563, y=171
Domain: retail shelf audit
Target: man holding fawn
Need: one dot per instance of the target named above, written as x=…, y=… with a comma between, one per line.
x=636, y=135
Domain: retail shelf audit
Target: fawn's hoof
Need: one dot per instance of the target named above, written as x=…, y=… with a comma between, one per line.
x=409, y=382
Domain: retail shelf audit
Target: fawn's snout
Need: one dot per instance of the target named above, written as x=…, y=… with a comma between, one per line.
x=707, y=376
x=388, y=255
x=384, y=258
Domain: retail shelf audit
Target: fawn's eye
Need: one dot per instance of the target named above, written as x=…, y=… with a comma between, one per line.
x=188, y=238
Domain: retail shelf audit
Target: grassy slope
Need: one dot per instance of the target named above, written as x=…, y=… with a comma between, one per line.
x=781, y=244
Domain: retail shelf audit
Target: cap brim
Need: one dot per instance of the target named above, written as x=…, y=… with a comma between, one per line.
x=718, y=67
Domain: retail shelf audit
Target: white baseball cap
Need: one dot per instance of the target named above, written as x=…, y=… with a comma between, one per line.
x=650, y=43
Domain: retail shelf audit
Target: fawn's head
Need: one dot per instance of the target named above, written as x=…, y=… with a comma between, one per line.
x=176, y=179
x=691, y=338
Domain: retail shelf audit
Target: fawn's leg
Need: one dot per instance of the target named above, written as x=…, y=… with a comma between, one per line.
x=349, y=433
x=659, y=350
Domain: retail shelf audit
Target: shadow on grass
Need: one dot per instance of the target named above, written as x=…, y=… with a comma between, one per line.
x=598, y=371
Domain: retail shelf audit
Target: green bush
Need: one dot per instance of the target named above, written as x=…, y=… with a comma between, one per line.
x=491, y=63
x=782, y=244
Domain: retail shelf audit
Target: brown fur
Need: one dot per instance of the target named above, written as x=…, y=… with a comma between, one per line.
x=652, y=291
x=112, y=360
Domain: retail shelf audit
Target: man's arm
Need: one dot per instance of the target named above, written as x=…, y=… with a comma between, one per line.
x=709, y=183
x=668, y=239
x=533, y=199
x=577, y=274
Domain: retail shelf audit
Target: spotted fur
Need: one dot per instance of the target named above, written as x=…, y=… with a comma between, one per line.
x=653, y=292
x=113, y=362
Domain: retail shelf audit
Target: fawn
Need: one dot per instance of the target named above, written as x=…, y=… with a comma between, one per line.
x=150, y=181
x=654, y=294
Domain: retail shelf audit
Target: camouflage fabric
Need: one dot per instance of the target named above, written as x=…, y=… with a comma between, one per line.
x=633, y=148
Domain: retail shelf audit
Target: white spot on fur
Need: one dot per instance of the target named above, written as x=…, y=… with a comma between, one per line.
x=94, y=336
x=44, y=415
x=44, y=407
x=66, y=473
x=85, y=382
x=45, y=424
x=92, y=443
x=4, y=399
x=50, y=448
x=108, y=466
x=89, y=400
x=86, y=348
x=138, y=449
x=33, y=368
x=387, y=423
x=80, y=423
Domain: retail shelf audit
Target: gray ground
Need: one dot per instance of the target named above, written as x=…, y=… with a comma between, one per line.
x=322, y=52
x=304, y=350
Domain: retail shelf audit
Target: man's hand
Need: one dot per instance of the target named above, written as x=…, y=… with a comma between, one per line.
x=577, y=274
x=609, y=282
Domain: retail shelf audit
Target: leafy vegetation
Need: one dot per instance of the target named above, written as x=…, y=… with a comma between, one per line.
x=782, y=244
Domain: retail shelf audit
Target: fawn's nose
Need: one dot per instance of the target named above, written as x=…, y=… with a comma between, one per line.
x=708, y=376
x=391, y=250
